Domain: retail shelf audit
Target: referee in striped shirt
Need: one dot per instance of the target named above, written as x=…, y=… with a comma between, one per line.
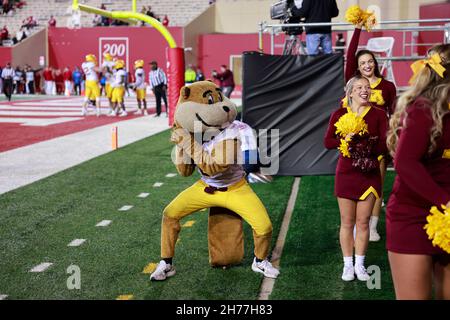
x=158, y=84
x=7, y=76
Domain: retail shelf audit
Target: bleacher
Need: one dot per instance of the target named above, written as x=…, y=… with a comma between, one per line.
x=180, y=12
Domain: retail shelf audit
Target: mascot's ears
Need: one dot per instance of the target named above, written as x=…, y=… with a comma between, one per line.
x=185, y=92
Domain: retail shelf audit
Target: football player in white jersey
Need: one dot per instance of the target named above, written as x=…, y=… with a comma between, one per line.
x=108, y=70
x=92, y=89
x=139, y=86
x=118, y=89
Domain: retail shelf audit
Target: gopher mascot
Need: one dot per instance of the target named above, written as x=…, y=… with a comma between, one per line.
x=208, y=137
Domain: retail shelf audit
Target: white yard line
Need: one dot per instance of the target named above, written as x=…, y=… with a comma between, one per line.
x=39, y=122
x=157, y=184
x=126, y=208
x=74, y=102
x=47, y=108
x=3, y=296
x=40, y=113
x=143, y=195
x=76, y=242
x=268, y=283
x=103, y=223
x=22, y=166
x=41, y=267
x=171, y=175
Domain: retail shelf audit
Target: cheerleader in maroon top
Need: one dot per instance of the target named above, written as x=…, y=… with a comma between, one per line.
x=419, y=140
x=383, y=95
x=357, y=190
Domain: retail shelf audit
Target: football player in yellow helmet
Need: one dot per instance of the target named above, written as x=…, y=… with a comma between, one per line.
x=118, y=89
x=140, y=87
x=108, y=72
x=92, y=89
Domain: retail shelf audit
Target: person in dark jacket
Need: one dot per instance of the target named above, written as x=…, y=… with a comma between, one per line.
x=226, y=79
x=315, y=11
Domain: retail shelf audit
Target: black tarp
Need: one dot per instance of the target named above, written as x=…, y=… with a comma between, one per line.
x=295, y=94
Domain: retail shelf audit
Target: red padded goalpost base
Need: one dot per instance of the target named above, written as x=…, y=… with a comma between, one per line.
x=175, y=78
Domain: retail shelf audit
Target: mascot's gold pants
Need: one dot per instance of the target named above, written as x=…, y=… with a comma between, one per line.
x=239, y=198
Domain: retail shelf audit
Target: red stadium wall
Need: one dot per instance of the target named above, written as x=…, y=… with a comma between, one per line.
x=68, y=47
x=432, y=11
x=5, y=55
x=216, y=49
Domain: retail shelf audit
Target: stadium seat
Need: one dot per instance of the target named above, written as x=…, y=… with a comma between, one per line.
x=383, y=45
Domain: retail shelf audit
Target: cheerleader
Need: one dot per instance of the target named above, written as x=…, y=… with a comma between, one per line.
x=383, y=95
x=419, y=141
x=355, y=189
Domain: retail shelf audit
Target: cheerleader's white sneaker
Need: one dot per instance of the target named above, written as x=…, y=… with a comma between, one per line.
x=348, y=274
x=361, y=273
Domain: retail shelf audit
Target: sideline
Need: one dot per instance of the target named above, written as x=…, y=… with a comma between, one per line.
x=268, y=283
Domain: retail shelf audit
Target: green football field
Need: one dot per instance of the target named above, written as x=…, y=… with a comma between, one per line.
x=38, y=222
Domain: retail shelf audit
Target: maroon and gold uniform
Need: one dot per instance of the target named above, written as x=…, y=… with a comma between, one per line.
x=422, y=181
x=350, y=182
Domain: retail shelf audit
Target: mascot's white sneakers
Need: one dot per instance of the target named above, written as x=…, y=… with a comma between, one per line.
x=163, y=271
x=266, y=268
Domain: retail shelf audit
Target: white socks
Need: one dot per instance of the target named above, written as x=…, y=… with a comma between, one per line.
x=359, y=260
x=373, y=223
x=348, y=261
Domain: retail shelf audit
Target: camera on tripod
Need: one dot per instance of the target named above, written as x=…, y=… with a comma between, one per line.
x=282, y=10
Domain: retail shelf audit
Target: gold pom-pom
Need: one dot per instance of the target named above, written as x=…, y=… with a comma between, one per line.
x=438, y=228
x=370, y=22
x=356, y=15
x=350, y=123
x=343, y=148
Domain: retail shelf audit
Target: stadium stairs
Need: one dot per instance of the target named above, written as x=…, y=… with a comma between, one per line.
x=180, y=12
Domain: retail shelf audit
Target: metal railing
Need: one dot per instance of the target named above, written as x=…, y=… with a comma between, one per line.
x=275, y=29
